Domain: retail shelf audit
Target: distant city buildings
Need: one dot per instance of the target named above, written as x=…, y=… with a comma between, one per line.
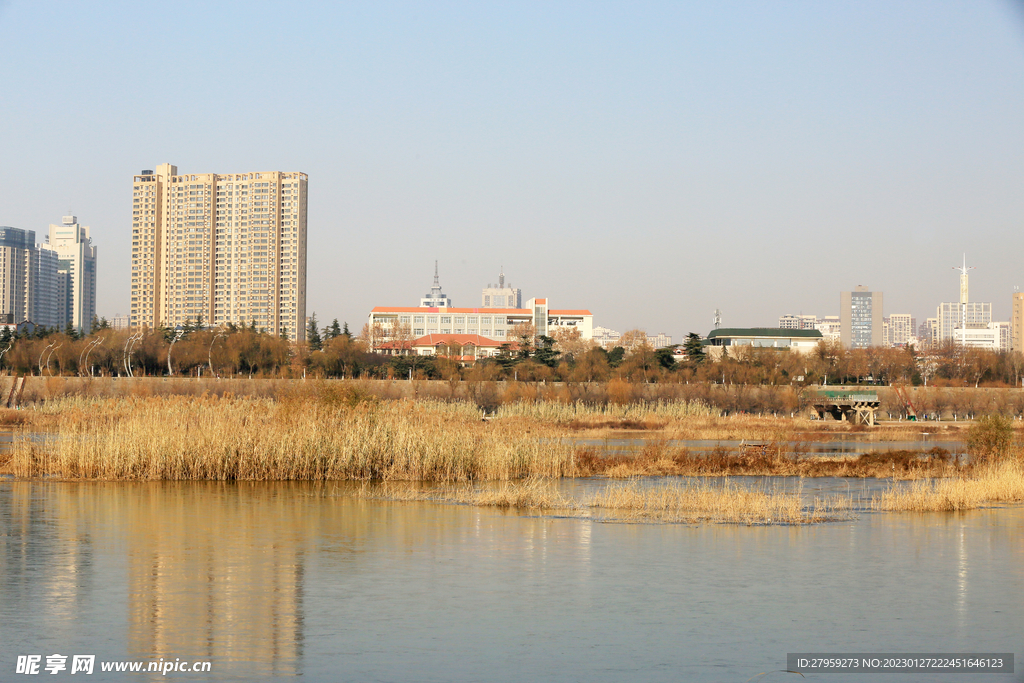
x=436, y=298
x=830, y=328
x=501, y=296
x=899, y=329
x=219, y=248
x=606, y=337
x=798, y=322
x=1017, y=323
x=949, y=318
x=860, y=318
x=44, y=285
x=495, y=324
x=927, y=333
x=76, y=264
x=659, y=341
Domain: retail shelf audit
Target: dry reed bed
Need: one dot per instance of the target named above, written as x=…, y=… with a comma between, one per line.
x=697, y=501
x=333, y=437
x=997, y=483
x=659, y=458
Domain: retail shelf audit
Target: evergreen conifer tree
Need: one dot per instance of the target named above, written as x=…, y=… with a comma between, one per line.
x=694, y=348
x=313, y=335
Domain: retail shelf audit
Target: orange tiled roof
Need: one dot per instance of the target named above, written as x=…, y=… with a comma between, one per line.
x=463, y=339
x=484, y=311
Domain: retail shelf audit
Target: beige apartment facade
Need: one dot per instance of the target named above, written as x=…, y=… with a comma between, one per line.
x=1017, y=323
x=221, y=248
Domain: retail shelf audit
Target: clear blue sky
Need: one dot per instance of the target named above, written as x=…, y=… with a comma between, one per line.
x=650, y=161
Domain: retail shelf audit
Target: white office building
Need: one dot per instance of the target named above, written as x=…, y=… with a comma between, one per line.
x=77, y=265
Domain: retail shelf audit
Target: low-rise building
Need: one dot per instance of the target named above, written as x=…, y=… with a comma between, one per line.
x=465, y=348
x=493, y=323
x=734, y=338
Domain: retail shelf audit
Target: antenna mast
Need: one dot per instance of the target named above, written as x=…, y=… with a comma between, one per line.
x=718, y=318
x=963, y=291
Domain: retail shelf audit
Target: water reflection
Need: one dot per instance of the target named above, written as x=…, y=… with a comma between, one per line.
x=288, y=579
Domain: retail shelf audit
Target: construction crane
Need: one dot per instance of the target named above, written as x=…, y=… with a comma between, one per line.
x=904, y=397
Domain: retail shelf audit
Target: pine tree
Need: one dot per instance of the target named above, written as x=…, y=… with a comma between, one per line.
x=694, y=348
x=345, y=331
x=313, y=334
x=336, y=329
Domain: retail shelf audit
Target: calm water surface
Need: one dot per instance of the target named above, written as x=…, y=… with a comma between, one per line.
x=271, y=581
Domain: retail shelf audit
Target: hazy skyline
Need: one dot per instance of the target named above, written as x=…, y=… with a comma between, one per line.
x=648, y=161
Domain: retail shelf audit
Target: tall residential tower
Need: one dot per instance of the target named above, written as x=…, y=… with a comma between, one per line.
x=220, y=248
x=76, y=265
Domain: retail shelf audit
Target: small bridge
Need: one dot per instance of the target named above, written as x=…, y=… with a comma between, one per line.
x=854, y=405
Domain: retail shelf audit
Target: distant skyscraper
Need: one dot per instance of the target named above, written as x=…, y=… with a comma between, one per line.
x=502, y=296
x=221, y=248
x=76, y=255
x=1017, y=323
x=860, y=318
x=927, y=333
x=29, y=282
x=436, y=298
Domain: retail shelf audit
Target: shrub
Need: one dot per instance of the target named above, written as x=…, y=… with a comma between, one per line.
x=990, y=438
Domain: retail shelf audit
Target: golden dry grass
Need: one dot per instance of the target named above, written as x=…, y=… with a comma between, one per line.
x=661, y=458
x=332, y=437
x=701, y=501
x=631, y=502
x=997, y=483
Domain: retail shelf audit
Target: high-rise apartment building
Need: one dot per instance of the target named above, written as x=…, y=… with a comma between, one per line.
x=76, y=295
x=860, y=318
x=1017, y=323
x=219, y=248
x=29, y=281
x=898, y=329
x=501, y=296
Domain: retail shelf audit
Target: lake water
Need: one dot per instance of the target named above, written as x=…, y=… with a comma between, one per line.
x=279, y=580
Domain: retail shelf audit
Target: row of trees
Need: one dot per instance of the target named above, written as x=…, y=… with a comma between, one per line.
x=562, y=356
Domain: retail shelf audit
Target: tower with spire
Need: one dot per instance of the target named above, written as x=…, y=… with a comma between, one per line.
x=501, y=296
x=436, y=298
